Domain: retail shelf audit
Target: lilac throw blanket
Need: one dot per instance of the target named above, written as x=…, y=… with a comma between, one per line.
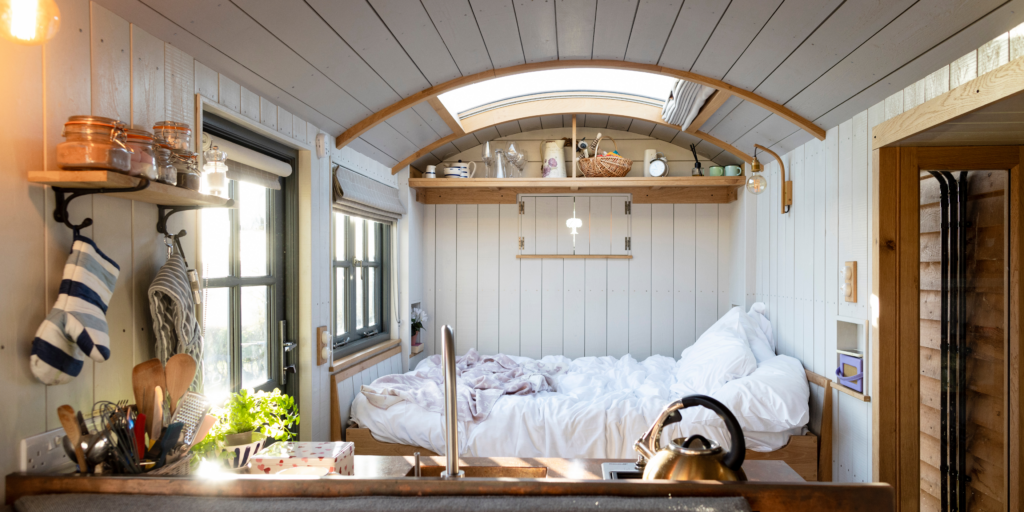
x=481, y=380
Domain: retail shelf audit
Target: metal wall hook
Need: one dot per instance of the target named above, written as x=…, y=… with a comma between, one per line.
x=165, y=213
x=60, y=212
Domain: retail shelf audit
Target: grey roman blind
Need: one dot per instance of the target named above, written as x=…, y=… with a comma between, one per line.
x=684, y=102
x=364, y=197
x=240, y=172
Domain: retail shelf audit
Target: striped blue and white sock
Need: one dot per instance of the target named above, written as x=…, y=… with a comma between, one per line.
x=77, y=324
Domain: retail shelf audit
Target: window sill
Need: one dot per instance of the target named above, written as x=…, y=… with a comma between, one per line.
x=365, y=355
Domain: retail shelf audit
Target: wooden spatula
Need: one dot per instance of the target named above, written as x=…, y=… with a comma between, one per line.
x=179, y=373
x=156, y=417
x=71, y=428
x=204, y=428
x=145, y=377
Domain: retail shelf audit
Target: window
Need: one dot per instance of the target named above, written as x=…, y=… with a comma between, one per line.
x=244, y=289
x=361, y=282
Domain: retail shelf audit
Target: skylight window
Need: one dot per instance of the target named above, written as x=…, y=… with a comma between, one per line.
x=574, y=80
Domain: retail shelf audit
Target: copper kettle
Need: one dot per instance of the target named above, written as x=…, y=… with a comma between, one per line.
x=681, y=459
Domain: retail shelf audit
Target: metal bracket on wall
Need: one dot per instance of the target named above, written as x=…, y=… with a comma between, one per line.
x=165, y=213
x=60, y=211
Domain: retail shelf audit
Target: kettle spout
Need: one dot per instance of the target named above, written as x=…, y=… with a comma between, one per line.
x=643, y=449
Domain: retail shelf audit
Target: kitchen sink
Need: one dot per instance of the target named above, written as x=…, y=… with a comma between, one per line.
x=487, y=471
x=620, y=471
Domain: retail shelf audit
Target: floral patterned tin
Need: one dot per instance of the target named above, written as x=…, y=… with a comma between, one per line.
x=337, y=457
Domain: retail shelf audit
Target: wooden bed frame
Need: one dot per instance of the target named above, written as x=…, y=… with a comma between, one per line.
x=809, y=455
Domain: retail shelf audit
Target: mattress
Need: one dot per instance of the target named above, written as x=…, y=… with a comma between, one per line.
x=602, y=405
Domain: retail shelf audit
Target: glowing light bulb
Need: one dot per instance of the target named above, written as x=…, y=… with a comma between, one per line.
x=756, y=184
x=572, y=224
x=29, y=21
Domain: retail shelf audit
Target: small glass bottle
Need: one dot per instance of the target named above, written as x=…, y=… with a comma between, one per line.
x=216, y=170
x=166, y=173
x=143, y=159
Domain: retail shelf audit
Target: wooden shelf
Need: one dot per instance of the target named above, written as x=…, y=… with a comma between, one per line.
x=155, y=193
x=699, y=189
x=574, y=257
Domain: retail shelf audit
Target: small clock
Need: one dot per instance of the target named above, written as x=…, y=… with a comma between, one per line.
x=659, y=166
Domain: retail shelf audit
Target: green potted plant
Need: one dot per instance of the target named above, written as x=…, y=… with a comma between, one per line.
x=418, y=317
x=245, y=422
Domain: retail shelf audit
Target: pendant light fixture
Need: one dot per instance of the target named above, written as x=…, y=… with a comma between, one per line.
x=29, y=22
x=756, y=183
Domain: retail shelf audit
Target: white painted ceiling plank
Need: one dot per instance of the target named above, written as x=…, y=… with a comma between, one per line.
x=914, y=33
x=498, y=24
x=299, y=27
x=642, y=127
x=610, y=34
x=467, y=141
x=530, y=124
x=363, y=30
x=553, y=121
x=849, y=27
x=412, y=26
x=388, y=140
x=664, y=133
x=424, y=161
x=741, y=23
x=427, y=113
x=369, y=150
x=795, y=140
x=766, y=133
x=227, y=28
x=651, y=28
x=412, y=127
x=537, y=29
x=575, y=20
x=693, y=27
x=683, y=140
x=619, y=123
x=791, y=24
x=455, y=22
x=741, y=120
x=596, y=121
x=445, y=151
x=1004, y=18
x=509, y=128
x=489, y=133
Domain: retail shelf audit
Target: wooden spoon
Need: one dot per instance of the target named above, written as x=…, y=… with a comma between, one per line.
x=156, y=418
x=204, y=428
x=179, y=374
x=145, y=377
x=71, y=428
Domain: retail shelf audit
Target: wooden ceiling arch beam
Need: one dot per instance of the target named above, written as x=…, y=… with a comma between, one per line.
x=563, y=105
x=427, y=94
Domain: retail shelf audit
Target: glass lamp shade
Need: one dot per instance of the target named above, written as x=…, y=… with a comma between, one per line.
x=756, y=184
x=215, y=171
x=29, y=22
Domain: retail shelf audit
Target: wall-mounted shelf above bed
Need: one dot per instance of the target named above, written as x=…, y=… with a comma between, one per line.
x=687, y=189
x=155, y=193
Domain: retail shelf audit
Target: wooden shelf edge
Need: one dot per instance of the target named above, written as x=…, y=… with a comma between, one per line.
x=578, y=183
x=859, y=396
x=574, y=257
x=155, y=193
x=355, y=358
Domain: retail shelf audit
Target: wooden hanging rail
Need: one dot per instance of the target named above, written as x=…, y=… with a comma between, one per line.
x=684, y=189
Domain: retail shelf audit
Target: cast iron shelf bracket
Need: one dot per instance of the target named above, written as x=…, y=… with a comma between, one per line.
x=60, y=211
x=165, y=212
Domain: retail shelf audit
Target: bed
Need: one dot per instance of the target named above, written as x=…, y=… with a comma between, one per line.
x=600, y=405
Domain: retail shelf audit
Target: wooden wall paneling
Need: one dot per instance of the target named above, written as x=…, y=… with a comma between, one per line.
x=772, y=175
x=618, y=282
x=268, y=114
x=640, y=283
x=788, y=269
x=207, y=82
x=548, y=228
x=894, y=105
x=229, y=94
x=574, y=275
x=684, y=276
x=429, y=225
x=860, y=210
x=420, y=37
x=250, y=104
x=1015, y=482
x=726, y=258
x=662, y=280
x=179, y=86
x=994, y=53
x=846, y=198
x=284, y=122
x=651, y=27
x=690, y=33
x=832, y=235
x=111, y=97
x=508, y=266
x=466, y=260
x=707, y=266
x=913, y=94
x=817, y=166
x=813, y=169
x=961, y=71
x=458, y=27
x=488, y=277
x=537, y=30
x=743, y=20
x=849, y=454
x=499, y=26
x=596, y=274
x=801, y=250
x=299, y=128
x=531, y=311
x=446, y=275
x=760, y=252
x=908, y=346
x=22, y=119
x=575, y=21
x=346, y=393
x=782, y=32
x=66, y=92
x=147, y=63
x=936, y=83
x=610, y=40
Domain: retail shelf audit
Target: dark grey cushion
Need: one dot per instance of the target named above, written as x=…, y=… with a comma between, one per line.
x=142, y=503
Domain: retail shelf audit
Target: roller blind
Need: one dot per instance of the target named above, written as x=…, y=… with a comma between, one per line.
x=364, y=197
x=240, y=172
x=252, y=158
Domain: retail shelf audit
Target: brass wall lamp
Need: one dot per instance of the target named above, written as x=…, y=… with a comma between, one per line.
x=757, y=184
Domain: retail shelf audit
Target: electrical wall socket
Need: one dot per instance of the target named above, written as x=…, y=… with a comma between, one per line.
x=43, y=453
x=850, y=281
x=323, y=344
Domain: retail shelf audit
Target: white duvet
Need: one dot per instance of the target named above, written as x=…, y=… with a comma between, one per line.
x=603, y=405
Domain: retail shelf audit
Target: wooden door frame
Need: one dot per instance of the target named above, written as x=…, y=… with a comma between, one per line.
x=896, y=286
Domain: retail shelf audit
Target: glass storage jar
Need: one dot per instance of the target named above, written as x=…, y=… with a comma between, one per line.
x=166, y=173
x=177, y=135
x=188, y=169
x=93, y=142
x=143, y=161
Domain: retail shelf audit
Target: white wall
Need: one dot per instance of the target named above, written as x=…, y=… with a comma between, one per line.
x=99, y=64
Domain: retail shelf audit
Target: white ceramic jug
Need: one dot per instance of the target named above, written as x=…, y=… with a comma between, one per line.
x=552, y=159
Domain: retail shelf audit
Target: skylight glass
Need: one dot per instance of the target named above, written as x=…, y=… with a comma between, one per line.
x=638, y=83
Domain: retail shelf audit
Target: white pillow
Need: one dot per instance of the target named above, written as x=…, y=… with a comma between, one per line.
x=758, y=331
x=720, y=355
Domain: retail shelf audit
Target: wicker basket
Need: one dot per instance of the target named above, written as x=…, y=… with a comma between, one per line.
x=180, y=467
x=605, y=166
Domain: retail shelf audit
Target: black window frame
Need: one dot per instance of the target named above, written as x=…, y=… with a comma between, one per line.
x=355, y=339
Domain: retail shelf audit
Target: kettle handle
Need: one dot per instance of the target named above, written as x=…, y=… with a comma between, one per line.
x=738, y=446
